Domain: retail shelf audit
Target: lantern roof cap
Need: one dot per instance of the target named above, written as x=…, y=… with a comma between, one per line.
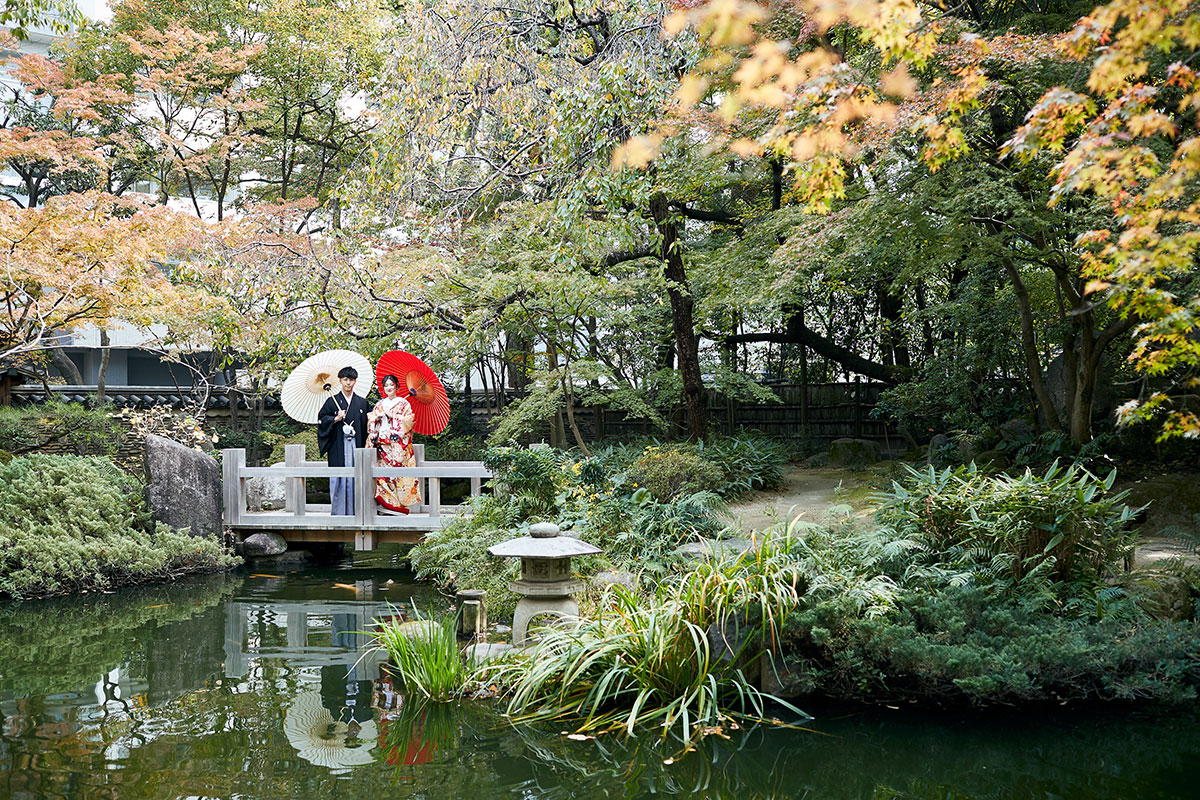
x=544, y=541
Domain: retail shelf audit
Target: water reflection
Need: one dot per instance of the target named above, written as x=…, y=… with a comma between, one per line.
x=256, y=687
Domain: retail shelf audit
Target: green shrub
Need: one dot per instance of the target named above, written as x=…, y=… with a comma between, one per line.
x=70, y=523
x=529, y=480
x=639, y=534
x=966, y=645
x=1065, y=520
x=279, y=443
x=454, y=448
x=90, y=431
x=456, y=555
x=667, y=472
x=747, y=463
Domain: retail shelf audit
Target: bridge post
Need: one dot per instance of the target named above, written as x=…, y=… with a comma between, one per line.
x=296, y=494
x=435, y=497
x=232, y=462
x=364, y=497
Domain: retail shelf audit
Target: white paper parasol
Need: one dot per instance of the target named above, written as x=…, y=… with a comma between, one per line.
x=318, y=739
x=305, y=390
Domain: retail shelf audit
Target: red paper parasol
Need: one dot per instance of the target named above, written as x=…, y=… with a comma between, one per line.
x=429, y=402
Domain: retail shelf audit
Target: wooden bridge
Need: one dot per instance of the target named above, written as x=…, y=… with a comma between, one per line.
x=300, y=521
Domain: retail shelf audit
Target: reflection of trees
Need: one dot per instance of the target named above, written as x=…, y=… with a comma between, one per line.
x=227, y=738
x=66, y=644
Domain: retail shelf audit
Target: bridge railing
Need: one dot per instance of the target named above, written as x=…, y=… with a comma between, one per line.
x=296, y=471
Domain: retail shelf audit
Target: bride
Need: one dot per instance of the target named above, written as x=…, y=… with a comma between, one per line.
x=390, y=427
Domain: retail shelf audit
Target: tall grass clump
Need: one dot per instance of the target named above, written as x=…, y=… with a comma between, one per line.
x=682, y=661
x=425, y=655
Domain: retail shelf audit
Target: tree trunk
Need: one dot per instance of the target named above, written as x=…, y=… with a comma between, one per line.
x=1033, y=363
x=102, y=376
x=65, y=366
x=687, y=345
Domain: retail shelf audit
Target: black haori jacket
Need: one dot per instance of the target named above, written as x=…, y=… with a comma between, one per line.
x=329, y=432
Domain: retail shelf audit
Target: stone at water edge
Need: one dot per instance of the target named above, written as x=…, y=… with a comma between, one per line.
x=853, y=452
x=183, y=487
x=483, y=652
x=263, y=545
x=417, y=628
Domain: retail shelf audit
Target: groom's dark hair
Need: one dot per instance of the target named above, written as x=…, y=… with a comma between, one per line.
x=348, y=372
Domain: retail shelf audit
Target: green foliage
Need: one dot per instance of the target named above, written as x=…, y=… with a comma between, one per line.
x=527, y=479
x=90, y=431
x=70, y=523
x=1065, y=521
x=456, y=555
x=986, y=589
x=668, y=472
x=964, y=644
x=747, y=462
x=278, y=443
x=677, y=662
x=426, y=657
x=635, y=531
x=454, y=448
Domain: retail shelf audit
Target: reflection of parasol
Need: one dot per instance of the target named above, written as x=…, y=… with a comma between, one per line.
x=431, y=407
x=305, y=390
x=318, y=739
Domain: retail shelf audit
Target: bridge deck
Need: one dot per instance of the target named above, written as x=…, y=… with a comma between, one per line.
x=301, y=521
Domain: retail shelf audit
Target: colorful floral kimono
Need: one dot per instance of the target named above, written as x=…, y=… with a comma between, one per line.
x=391, y=433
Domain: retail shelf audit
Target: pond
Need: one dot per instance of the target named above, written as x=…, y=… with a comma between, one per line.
x=254, y=685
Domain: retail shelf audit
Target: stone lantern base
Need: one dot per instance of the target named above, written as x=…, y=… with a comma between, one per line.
x=545, y=598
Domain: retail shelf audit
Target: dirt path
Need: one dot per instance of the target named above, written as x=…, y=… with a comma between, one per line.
x=807, y=493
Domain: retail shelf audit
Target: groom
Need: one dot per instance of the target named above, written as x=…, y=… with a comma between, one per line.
x=341, y=427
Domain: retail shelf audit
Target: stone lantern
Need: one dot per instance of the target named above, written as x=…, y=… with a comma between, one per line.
x=546, y=583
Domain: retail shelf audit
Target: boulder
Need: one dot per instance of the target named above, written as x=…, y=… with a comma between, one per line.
x=1162, y=595
x=732, y=641
x=1172, y=501
x=1018, y=429
x=817, y=461
x=993, y=460
x=183, y=487
x=708, y=548
x=263, y=545
x=853, y=452
x=602, y=580
x=780, y=680
x=932, y=453
x=266, y=494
